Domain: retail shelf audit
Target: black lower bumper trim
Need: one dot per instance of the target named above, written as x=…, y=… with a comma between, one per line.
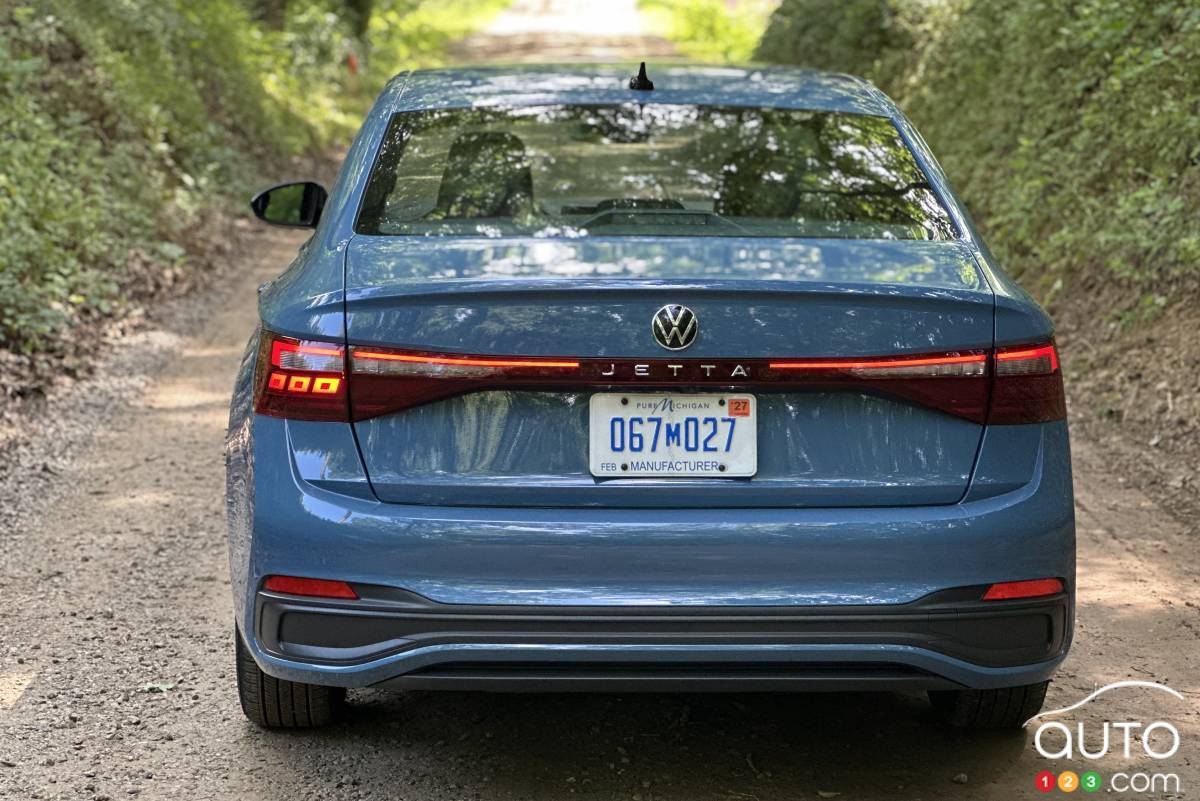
x=385, y=621
x=658, y=677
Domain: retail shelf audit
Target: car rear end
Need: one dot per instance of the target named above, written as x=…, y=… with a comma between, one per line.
x=612, y=405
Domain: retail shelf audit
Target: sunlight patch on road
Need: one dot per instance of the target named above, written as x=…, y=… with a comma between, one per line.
x=1108, y=580
x=12, y=685
x=186, y=395
x=142, y=498
x=214, y=351
x=613, y=18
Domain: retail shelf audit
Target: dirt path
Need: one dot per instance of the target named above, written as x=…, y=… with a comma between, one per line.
x=115, y=640
x=565, y=30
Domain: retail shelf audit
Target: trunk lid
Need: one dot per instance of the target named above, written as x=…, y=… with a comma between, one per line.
x=595, y=298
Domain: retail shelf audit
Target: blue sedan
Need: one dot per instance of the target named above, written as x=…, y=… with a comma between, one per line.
x=699, y=380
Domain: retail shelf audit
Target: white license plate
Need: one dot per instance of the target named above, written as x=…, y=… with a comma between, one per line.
x=668, y=434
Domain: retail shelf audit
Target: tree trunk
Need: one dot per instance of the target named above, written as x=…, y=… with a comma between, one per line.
x=272, y=13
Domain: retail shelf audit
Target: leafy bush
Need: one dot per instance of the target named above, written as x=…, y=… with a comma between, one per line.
x=122, y=122
x=1071, y=128
x=409, y=33
x=128, y=123
x=711, y=30
x=850, y=36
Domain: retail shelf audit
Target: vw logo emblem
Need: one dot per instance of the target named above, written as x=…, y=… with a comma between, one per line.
x=674, y=326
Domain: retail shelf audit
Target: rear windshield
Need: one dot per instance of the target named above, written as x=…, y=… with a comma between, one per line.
x=648, y=170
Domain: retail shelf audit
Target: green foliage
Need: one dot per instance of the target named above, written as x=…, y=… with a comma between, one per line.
x=126, y=124
x=1071, y=127
x=711, y=30
x=405, y=34
x=839, y=35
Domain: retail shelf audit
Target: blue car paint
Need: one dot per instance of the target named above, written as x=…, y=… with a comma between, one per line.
x=801, y=299
x=323, y=518
x=574, y=556
x=592, y=297
x=525, y=448
x=389, y=264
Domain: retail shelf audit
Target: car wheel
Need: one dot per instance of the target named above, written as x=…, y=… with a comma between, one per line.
x=279, y=704
x=1003, y=708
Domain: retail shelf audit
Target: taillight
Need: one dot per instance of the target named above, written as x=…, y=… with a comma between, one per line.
x=955, y=383
x=300, y=379
x=955, y=364
x=386, y=380
x=1008, y=386
x=1028, y=387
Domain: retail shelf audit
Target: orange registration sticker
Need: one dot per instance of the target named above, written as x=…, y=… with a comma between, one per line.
x=739, y=407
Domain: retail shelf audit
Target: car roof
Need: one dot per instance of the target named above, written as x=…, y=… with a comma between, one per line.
x=523, y=85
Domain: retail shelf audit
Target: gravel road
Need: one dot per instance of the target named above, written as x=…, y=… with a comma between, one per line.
x=115, y=661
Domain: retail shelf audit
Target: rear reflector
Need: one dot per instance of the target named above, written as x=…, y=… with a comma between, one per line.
x=314, y=588
x=1034, y=588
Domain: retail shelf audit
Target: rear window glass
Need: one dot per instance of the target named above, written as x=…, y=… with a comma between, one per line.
x=648, y=170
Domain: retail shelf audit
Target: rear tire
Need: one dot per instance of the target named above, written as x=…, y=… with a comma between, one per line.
x=279, y=704
x=1003, y=708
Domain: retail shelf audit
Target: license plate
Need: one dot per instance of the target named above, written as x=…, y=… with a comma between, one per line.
x=668, y=434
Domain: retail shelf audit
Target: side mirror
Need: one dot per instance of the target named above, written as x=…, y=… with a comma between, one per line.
x=293, y=205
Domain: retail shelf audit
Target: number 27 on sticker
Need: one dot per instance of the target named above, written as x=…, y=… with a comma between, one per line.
x=739, y=407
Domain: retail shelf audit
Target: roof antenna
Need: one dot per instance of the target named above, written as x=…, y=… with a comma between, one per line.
x=639, y=82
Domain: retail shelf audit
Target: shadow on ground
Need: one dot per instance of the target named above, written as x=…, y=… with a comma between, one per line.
x=760, y=746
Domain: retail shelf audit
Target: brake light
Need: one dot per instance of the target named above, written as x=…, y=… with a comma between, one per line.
x=1008, y=386
x=1033, y=588
x=1028, y=387
x=314, y=588
x=301, y=380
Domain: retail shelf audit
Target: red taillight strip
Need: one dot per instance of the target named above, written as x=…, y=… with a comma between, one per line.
x=456, y=361
x=807, y=364
x=1023, y=382
x=384, y=380
x=876, y=364
x=1030, y=355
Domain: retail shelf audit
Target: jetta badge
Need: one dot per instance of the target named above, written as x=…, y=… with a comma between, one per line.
x=674, y=327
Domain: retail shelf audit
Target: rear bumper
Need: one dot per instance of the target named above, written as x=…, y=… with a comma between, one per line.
x=565, y=598
x=398, y=639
